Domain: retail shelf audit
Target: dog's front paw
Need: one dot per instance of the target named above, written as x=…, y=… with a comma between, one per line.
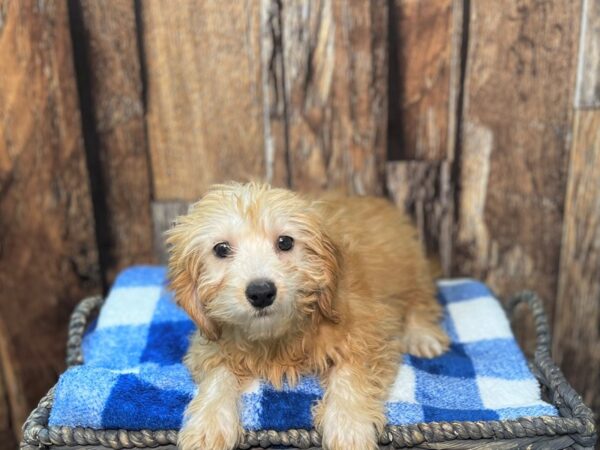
x=343, y=430
x=209, y=433
x=425, y=342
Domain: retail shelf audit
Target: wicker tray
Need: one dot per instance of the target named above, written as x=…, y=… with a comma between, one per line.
x=574, y=429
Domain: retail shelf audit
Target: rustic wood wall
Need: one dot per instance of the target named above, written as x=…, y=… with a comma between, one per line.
x=480, y=118
x=48, y=251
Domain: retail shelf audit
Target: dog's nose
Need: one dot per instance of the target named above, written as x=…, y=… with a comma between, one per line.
x=261, y=293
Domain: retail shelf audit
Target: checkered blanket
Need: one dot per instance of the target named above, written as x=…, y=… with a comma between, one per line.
x=133, y=377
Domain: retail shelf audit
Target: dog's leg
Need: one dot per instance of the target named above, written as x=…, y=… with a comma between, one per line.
x=212, y=418
x=424, y=338
x=352, y=410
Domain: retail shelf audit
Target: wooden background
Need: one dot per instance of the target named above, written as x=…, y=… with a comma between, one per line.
x=481, y=118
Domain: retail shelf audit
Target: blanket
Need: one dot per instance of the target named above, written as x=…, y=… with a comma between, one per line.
x=133, y=377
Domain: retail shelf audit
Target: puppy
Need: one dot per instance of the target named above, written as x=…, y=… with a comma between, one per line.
x=281, y=285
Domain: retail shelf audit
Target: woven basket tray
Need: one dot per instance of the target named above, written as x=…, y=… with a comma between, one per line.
x=574, y=429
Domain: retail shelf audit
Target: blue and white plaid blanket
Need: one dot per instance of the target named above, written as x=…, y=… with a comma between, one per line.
x=133, y=377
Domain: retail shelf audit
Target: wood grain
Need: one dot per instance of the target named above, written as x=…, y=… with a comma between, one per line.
x=48, y=257
x=163, y=215
x=577, y=318
x=205, y=94
x=516, y=125
x=423, y=190
x=424, y=85
x=588, y=78
x=106, y=37
x=275, y=140
x=335, y=69
x=8, y=434
x=422, y=106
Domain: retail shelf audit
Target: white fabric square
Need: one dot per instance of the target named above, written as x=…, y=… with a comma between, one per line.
x=479, y=319
x=405, y=386
x=129, y=306
x=497, y=393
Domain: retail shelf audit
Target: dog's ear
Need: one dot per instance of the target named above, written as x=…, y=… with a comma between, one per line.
x=330, y=257
x=184, y=273
x=187, y=296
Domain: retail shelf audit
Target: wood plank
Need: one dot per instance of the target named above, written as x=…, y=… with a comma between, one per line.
x=8, y=436
x=515, y=137
x=588, y=78
x=163, y=215
x=335, y=68
x=48, y=257
x=108, y=59
x=314, y=104
x=273, y=92
x=422, y=48
x=577, y=318
x=424, y=85
x=205, y=95
x=422, y=189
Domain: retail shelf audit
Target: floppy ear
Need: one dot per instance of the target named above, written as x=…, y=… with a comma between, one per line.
x=330, y=257
x=184, y=272
x=186, y=294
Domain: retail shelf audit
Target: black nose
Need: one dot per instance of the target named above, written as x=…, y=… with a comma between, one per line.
x=261, y=293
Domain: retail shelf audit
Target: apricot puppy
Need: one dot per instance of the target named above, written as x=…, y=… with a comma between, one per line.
x=281, y=285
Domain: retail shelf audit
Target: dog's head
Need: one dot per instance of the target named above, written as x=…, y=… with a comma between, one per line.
x=254, y=259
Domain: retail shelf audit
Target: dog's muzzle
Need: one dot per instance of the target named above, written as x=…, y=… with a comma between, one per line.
x=261, y=293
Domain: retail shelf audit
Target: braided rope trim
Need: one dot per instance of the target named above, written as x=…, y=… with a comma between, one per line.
x=80, y=318
x=577, y=420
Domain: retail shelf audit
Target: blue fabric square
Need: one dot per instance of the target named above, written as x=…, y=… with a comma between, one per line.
x=73, y=405
x=400, y=413
x=141, y=276
x=454, y=363
x=251, y=411
x=433, y=414
x=448, y=392
x=526, y=411
x=173, y=378
x=465, y=290
x=143, y=405
x=116, y=348
x=283, y=412
x=167, y=342
x=508, y=363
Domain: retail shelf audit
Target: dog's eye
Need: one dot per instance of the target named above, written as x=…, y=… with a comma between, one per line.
x=285, y=243
x=222, y=250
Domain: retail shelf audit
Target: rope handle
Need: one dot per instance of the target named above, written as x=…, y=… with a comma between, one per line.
x=564, y=397
x=80, y=318
x=542, y=329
